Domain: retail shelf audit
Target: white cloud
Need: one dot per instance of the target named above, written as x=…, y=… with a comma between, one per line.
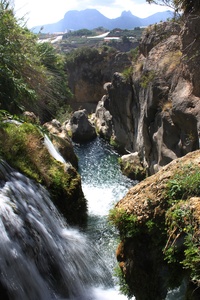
x=40, y=12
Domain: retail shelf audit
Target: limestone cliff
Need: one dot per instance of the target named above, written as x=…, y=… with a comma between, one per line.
x=156, y=110
x=88, y=69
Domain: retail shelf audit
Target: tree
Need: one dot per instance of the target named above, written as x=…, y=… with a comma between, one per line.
x=179, y=5
x=31, y=75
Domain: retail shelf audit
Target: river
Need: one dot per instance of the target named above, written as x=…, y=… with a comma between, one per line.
x=103, y=185
x=41, y=257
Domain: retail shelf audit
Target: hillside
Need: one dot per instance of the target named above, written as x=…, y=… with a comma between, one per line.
x=92, y=18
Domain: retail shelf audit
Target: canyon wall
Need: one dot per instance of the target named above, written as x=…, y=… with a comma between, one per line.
x=155, y=111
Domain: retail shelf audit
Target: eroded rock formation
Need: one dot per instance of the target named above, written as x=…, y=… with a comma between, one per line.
x=156, y=112
x=89, y=72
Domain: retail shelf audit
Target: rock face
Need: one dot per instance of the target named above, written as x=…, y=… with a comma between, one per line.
x=156, y=112
x=88, y=73
x=62, y=141
x=159, y=222
x=81, y=128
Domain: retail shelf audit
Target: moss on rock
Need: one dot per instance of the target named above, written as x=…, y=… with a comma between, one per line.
x=22, y=146
x=158, y=221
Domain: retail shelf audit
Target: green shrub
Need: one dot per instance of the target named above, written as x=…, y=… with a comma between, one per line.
x=147, y=78
x=31, y=75
x=124, y=222
x=127, y=73
x=185, y=183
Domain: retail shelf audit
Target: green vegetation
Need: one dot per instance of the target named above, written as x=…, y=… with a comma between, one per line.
x=134, y=53
x=125, y=223
x=22, y=146
x=80, y=32
x=127, y=74
x=122, y=282
x=32, y=74
x=147, y=78
x=184, y=184
x=81, y=55
x=181, y=221
x=175, y=233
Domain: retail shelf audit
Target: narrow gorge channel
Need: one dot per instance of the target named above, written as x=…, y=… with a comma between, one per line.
x=103, y=185
x=43, y=258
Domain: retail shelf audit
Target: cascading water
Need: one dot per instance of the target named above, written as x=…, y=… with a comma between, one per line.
x=40, y=257
x=52, y=150
x=103, y=185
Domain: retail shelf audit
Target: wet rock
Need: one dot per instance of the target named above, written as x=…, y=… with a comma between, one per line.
x=62, y=141
x=132, y=167
x=81, y=128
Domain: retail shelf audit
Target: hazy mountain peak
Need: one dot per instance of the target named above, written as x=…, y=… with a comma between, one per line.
x=126, y=13
x=92, y=18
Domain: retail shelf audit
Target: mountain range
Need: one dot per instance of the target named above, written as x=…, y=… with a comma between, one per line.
x=92, y=18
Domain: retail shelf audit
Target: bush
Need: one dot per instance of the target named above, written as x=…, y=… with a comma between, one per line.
x=31, y=75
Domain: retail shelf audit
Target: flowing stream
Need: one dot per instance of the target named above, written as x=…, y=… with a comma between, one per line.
x=41, y=257
x=103, y=185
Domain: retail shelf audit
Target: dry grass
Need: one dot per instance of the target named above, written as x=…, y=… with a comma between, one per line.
x=170, y=61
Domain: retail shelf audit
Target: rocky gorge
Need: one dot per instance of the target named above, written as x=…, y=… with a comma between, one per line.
x=150, y=112
x=146, y=104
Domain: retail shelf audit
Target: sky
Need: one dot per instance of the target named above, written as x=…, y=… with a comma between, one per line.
x=41, y=12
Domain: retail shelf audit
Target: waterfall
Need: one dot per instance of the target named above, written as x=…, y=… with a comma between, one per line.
x=52, y=150
x=40, y=256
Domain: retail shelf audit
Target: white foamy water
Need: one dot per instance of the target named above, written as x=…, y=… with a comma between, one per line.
x=108, y=294
x=103, y=185
x=52, y=150
x=41, y=258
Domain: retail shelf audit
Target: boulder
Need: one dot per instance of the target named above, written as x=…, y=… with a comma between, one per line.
x=24, y=148
x=103, y=119
x=62, y=142
x=81, y=128
x=158, y=220
x=132, y=167
x=30, y=117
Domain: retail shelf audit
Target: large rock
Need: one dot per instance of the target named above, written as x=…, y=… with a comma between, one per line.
x=157, y=111
x=113, y=113
x=131, y=166
x=103, y=120
x=88, y=73
x=23, y=147
x=158, y=220
x=62, y=141
x=81, y=128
